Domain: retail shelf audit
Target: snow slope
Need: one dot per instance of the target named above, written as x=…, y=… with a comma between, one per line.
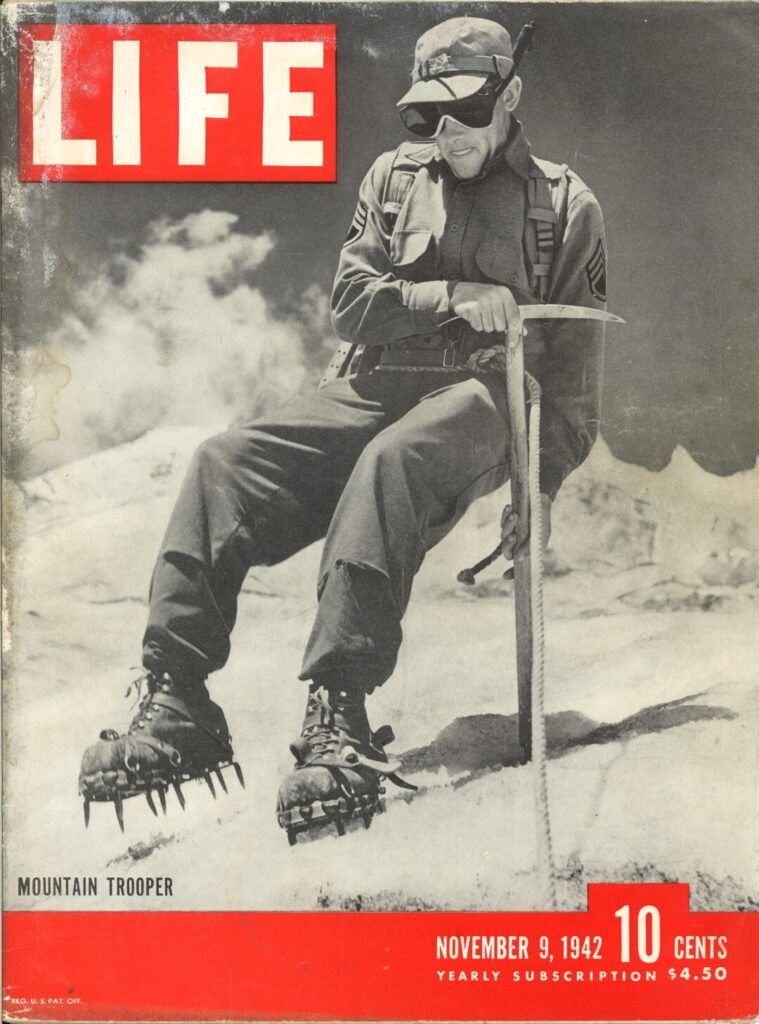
x=652, y=681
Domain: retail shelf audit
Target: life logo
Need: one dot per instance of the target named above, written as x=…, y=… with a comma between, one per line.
x=177, y=102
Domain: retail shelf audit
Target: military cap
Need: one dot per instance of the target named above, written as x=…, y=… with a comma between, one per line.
x=452, y=59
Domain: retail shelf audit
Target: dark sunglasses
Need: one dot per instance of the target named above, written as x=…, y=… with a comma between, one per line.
x=474, y=111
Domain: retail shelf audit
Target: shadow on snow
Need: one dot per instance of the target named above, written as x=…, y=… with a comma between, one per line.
x=476, y=743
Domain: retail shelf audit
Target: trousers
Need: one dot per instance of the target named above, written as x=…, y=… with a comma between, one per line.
x=382, y=465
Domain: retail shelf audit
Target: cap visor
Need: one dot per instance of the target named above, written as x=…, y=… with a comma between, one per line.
x=443, y=90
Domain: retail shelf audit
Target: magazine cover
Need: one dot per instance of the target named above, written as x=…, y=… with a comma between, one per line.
x=380, y=534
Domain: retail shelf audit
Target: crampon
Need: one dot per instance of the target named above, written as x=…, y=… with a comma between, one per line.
x=340, y=765
x=177, y=735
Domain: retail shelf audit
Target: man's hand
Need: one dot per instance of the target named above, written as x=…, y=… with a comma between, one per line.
x=487, y=307
x=510, y=527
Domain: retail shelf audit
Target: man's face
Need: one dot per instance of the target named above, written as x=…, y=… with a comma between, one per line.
x=467, y=150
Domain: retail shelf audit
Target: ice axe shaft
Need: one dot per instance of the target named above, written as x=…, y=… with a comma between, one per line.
x=515, y=386
x=519, y=458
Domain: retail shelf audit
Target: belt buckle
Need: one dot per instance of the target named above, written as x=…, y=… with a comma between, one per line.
x=449, y=356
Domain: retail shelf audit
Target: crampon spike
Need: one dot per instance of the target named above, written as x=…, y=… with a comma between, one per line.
x=222, y=783
x=162, y=797
x=151, y=801
x=209, y=783
x=340, y=826
x=238, y=773
x=86, y=812
x=292, y=837
x=118, y=805
x=178, y=790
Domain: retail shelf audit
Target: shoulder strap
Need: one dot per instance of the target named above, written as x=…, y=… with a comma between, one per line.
x=546, y=195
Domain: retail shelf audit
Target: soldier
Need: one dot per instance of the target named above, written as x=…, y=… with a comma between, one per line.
x=451, y=231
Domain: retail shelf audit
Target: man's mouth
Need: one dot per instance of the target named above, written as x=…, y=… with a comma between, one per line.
x=462, y=152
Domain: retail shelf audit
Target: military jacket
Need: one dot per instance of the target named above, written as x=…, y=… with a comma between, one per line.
x=418, y=230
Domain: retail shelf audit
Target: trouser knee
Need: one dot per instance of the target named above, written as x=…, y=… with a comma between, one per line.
x=219, y=457
x=386, y=455
x=239, y=490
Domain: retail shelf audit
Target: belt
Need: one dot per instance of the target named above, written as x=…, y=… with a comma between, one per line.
x=447, y=358
x=441, y=358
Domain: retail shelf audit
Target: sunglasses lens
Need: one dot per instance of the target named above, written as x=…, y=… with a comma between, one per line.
x=473, y=112
x=422, y=120
x=476, y=115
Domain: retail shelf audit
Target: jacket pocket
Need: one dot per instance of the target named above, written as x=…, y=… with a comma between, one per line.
x=502, y=264
x=407, y=246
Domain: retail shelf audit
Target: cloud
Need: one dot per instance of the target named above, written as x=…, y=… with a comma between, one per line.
x=176, y=334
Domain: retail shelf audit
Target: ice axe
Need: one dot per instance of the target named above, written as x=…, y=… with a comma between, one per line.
x=525, y=491
x=528, y=547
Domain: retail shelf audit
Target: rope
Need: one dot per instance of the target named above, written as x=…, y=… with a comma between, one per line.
x=546, y=868
x=423, y=369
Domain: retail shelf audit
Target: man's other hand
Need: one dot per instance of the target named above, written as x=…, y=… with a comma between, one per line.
x=510, y=527
x=487, y=307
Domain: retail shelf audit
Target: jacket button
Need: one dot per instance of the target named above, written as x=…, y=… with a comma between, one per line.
x=454, y=229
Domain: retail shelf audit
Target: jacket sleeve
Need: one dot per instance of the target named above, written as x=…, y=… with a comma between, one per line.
x=572, y=369
x=370, y=305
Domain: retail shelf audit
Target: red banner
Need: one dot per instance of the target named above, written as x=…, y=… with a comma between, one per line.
x=637, y=954
x=177, y=102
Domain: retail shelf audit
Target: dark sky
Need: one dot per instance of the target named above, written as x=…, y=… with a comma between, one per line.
x=654, y=105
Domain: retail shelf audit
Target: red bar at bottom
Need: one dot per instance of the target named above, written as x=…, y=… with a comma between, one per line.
x=638, y=953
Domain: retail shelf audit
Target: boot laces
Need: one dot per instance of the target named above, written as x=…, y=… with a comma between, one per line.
x=322, y=734
x=137, y=684
x=146, y=708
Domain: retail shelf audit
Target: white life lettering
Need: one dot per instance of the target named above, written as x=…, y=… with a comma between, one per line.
x=48, y=144
x=195, y=104
x=126, y=102
x=280, y=104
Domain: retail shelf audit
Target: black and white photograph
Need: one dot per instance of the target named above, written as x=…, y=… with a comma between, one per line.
x=391, y=542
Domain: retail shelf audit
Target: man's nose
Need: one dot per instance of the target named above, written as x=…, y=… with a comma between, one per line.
x=448, y=126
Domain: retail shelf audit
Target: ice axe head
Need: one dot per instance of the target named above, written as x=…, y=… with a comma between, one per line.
x=557, y=311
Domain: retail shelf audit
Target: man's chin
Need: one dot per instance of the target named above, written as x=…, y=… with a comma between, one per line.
x=465, y=166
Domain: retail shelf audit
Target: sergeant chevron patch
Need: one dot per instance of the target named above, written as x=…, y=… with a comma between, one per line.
x=358, y=223
x=595, y=268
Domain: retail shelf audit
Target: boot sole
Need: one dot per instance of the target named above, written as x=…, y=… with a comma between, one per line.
x=319, y=814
